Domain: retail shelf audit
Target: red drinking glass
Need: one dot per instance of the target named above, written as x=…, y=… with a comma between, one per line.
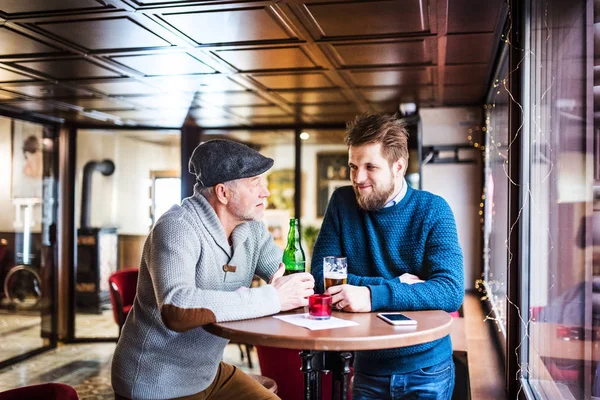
x=319, y=306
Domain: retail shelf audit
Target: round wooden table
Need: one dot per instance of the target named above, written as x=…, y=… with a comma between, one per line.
x=330, y=349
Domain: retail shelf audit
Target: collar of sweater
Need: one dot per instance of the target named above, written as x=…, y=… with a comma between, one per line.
x=208, y=217
x=398, y=206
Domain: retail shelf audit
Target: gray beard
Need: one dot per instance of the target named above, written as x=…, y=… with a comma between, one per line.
x=375, y=201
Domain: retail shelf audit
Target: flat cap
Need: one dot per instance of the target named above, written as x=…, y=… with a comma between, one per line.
x=220, y=160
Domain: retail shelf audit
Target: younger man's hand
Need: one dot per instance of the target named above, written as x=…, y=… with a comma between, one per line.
x=293, y=290
x=351, y=298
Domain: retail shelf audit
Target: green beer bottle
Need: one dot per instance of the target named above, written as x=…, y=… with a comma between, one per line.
x=293, y=255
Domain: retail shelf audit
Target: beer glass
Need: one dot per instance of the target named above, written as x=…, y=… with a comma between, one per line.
x=335, y=271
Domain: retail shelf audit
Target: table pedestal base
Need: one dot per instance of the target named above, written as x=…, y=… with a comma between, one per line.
x=315, y=362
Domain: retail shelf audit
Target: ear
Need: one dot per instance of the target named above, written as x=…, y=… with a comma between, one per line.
x=222, y=193
x=400, y=166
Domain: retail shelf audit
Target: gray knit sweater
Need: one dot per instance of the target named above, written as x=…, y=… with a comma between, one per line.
x=186, y=280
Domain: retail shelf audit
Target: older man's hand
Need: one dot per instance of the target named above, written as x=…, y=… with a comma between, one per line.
x=351, y=298
x=293, y=290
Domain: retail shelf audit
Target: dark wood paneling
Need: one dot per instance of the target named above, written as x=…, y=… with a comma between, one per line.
x=14, y=43
x=45, y=90
x=286, y=57
x=231, y=99
x=105, y=34
x=464, y=49
x=69, y=69
x=28, y=6
x=130, y=250
x=293, y=81
x=399, y=94
x=390, y=53
x=228, y=26
x=464, y=94
x=473, y=15
x=364, y=18
x=165, y=64
x=9, y=76
x=267, y=58
x=313, y=96
x=257, y=111
x=466, y=74
x=411, y=76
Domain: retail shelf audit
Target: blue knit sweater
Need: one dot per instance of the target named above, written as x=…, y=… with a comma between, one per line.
x=418, y=236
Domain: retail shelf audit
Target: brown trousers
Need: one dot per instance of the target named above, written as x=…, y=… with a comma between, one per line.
x=229, y=384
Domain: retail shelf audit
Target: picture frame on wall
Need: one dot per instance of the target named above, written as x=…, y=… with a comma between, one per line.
x=332, y=173
x=27, y=160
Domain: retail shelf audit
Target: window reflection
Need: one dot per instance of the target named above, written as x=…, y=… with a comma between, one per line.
x=564, y=291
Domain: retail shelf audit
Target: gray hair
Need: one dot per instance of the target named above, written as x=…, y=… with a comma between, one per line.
x=209, y=192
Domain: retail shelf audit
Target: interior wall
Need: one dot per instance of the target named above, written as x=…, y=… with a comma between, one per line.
x=122, y=200
x=458, y=184
x=7, y=212
x=284, y=156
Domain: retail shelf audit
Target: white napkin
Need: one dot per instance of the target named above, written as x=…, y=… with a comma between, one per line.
x=315, y=325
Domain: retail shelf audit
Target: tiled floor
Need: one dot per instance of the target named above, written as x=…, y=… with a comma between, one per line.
x=86, y=367
x=83, y=366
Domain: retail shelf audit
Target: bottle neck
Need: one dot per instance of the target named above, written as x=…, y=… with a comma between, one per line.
x=294, y=234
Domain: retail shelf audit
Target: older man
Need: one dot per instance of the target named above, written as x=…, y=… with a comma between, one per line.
x=196, y=268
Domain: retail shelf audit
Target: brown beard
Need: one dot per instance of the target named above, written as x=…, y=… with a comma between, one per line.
x=375, y=201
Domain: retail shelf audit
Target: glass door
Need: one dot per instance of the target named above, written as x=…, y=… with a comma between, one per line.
x=27, y=239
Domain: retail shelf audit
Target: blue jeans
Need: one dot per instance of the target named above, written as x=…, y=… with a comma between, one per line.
x=435, y=383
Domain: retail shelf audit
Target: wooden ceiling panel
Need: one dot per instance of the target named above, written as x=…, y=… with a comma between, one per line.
x=108, y=33
x=465, y=74
x=365, y=18
x=30, y=6
x=243, y=62
x=473, y=15
x=399, y=94
x=100, y=103
x=162, y=101
x=165, y=64
x=228, y=26
x=123, y=87
x=31, y=105
x=388, y=53
x=330, y=109
x=469, y=48
x=195, y=83
x=464, y=94
x=411, y=76
x=294, y=81
x=7, y=96
x=69, y=69
x=151, y=114
x=231, y=99
x=267, y=58
x=313, y=96
x=10, y=76
x=273, y=120
x=13, y=43
x=263, y=111
x=45, y=90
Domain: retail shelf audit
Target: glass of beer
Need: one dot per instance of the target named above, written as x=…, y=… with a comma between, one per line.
x=335, y=271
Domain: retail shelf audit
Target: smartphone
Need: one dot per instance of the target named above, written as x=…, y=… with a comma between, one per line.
x=397, y=319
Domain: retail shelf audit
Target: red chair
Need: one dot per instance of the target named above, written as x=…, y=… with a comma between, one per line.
x=284, y=366
x=45, y=391
x=123, y=285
